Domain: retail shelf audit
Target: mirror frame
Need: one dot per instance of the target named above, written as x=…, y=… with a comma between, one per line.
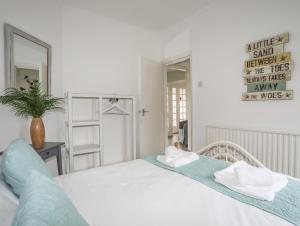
x=10, y=77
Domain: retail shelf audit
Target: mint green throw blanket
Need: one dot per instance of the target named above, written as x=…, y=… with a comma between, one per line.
x=285, y=205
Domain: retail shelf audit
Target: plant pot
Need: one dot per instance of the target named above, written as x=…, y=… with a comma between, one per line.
x=37, y=133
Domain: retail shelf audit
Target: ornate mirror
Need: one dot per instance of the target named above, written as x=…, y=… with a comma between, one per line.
x=27, y=59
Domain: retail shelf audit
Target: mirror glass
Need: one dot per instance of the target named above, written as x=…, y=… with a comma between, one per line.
x=27, y=59
x=30, y=63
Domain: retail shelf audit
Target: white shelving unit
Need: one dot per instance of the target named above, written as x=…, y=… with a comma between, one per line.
x=92, y=119
x=94, y=123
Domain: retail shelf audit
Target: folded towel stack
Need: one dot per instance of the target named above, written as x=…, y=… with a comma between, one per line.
x=250, y=175
x=176, y=157
x=259, y=183
x=172, y=153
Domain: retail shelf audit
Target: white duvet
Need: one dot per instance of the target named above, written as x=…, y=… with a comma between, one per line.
x=138, y=193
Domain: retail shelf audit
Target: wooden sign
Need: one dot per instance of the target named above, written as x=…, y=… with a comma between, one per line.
x=263, y=61
x=285, y=76
x=268, y=69
x=263, y=87
x=272, y=95
x=268, y=42
x=268, y=51
x=274, y=68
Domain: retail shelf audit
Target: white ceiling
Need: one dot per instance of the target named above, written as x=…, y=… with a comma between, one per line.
x=154, y=15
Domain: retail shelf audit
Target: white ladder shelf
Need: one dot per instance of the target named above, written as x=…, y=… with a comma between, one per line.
x=95, y=123
x=71, y=124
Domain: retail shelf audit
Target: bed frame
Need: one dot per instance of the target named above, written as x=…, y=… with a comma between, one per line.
x=230, y=152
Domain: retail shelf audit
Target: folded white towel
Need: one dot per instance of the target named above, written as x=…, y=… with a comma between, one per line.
x=229, y=171
x=182, y=159
x=228, y=178
x=253, y=176
x=172, y=153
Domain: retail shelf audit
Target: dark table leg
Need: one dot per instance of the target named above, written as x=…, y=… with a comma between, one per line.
x=59, y=161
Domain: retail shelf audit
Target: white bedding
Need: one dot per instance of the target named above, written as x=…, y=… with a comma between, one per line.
x=138, y=193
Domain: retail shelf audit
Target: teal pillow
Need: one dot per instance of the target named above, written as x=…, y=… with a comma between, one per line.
x=43, y=203
x=18, y=160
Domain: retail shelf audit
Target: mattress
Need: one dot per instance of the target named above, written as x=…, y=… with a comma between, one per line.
x=138, y=193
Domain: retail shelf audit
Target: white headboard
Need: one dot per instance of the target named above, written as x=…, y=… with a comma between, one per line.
x=279, y=151
x=230, y=152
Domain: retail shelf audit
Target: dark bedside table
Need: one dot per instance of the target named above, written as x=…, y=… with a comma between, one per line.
x=52, y=149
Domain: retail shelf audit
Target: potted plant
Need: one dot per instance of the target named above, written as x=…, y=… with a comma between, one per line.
x=34, y=103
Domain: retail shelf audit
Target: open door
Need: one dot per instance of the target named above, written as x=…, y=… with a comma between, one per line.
x=151, y=112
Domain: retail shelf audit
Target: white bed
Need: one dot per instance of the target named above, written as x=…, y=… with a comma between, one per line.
x=138, y=193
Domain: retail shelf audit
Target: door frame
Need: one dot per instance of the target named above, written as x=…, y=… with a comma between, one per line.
x=166, y=63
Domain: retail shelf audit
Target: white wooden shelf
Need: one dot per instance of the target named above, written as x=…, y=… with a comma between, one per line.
x=94, y=123
x=85, y=123
x=86, y=149
x=85, y=95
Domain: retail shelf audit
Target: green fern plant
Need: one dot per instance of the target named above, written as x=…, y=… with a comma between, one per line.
x=30, y=103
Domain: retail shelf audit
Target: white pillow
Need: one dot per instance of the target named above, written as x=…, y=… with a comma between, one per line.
x=8, y=206
x=1, y=175
x=6, y=190
x=9, y=202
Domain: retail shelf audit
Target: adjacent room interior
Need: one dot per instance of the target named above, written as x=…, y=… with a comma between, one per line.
x=178, y=103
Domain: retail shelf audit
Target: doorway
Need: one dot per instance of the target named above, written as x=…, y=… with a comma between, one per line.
x=178, y=103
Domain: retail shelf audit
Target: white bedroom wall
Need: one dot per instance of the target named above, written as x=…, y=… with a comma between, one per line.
x=40, y=18
x=218, y=37
x=177, y=46
x=101, y=55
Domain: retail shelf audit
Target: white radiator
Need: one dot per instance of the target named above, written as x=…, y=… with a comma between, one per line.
x=279, y=151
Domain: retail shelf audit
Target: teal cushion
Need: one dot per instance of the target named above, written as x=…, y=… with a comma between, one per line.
x=43, y=203
x=19, y=159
